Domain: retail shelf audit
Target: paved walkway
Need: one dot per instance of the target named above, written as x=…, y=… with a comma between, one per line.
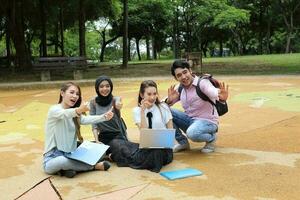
x=257, y=156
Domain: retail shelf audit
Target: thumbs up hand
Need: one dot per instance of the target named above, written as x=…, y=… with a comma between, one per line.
x=109, y=114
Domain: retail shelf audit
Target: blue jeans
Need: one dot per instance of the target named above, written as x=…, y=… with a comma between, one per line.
x=54, y=161
x=196, y=130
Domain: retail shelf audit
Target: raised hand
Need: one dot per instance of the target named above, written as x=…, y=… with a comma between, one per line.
x=84, y=107
x=118, y=103
x=145, y=104
x=223, y=93
x=173, y=94
x=108, y=115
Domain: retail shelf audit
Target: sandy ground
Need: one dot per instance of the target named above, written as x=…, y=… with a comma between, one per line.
x=257, y=155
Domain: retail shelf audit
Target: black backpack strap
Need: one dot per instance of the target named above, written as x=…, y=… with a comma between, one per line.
x=203, y=96
x=180, y=88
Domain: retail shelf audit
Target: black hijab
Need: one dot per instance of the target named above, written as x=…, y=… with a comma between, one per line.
x=103, y=100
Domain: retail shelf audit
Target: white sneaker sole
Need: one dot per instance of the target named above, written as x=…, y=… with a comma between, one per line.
x=207, y=150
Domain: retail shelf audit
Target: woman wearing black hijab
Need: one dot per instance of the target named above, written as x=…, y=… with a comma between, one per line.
x=113, y=133
x=103, y=102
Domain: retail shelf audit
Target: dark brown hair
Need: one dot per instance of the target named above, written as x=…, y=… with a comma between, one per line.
x=65, y=87
x=76, y=120
x=144, y=85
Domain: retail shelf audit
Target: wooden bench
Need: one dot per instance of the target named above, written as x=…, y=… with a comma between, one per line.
x=195, y=58
x=47, y=64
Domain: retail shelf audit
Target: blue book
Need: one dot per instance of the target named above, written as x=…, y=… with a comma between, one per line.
x=182, y=173
x=88, y=152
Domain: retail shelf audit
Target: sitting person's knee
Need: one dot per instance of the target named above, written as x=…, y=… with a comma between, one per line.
x=192, y=135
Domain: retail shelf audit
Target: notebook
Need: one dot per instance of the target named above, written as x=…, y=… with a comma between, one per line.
x=88, y=152
x=157, y=138
x=182, y=173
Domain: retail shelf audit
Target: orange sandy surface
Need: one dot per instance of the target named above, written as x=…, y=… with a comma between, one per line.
x=257, y=155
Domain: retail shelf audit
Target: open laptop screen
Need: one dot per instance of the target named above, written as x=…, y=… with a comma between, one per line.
x=157, y=138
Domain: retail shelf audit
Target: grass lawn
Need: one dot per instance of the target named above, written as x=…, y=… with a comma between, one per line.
x=258, y=65
x=240, y=65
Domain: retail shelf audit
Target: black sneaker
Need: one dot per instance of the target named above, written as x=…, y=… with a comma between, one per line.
x=68, y=173
x=106, y=165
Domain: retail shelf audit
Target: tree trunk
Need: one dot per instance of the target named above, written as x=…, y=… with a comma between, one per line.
x=137, y=41
x=56, y=39
x=260, y=34
x=28, y=41
x=125, y=34
x=221, y=48
x=288, y=43
x=238, y=42
x=178, y=54
x=174, y=41
x=154, y=51
x=17, y=32
x=61, y=23
x=101, y=57
x=290, y=10
x=148, y=48
x=7, y=39
x=268, y=36
x=176, y=35
x=290, y=29
x=82, y=49
x=104, y=44
x=43, y=31
x=128, y=50
x=233, y=46
x=203, y=48
x=189, y=36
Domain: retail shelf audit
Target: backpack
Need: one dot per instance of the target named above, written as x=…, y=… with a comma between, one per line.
x=221, y=107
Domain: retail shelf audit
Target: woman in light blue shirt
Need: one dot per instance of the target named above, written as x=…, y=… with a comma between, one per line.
x=62, y=130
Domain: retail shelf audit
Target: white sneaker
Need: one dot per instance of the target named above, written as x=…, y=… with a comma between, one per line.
x=209, y=147
x=181, y=147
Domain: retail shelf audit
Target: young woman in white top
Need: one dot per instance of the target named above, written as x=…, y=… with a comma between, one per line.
x=62, y=130
x=128, y=154
x=148, y=102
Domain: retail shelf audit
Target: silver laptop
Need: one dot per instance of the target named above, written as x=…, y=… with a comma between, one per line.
x=88, y=152
x=157, y=138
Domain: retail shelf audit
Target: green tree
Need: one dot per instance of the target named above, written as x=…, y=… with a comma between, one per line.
x=232, y=18
x=288, y=10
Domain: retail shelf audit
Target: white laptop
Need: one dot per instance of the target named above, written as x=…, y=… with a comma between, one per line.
x=88, y=152
x=157, y=138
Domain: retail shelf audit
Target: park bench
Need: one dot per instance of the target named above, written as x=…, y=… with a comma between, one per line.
x=195, y=58
x=45, y=65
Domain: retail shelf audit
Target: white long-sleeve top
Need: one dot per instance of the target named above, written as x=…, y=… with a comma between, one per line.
x=60, y=129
